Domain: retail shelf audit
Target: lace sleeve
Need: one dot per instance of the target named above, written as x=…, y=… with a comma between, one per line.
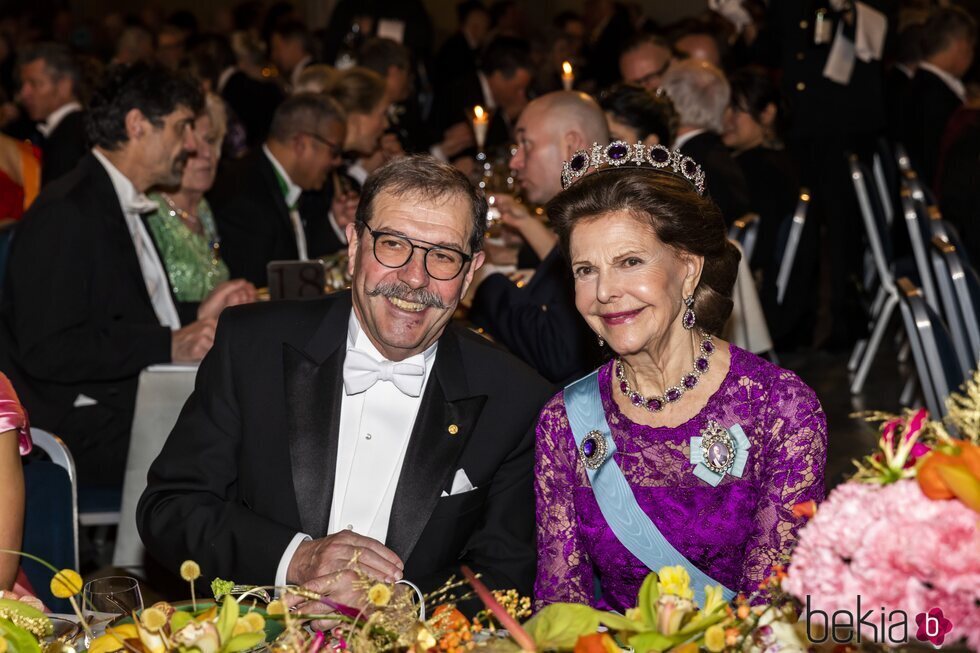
x=564, y=569
x=795, y=459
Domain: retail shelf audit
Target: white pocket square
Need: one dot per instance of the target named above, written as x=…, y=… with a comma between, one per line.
x=461, y=484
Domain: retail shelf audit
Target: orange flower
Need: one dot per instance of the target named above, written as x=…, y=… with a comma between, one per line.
x=596, y=643
x=943, y=475
x=806, y=509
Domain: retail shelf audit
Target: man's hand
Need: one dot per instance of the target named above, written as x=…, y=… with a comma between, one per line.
x=337, y=587
x=334, y=553
x=225, y=294
x=456, y=139
x=190, y=344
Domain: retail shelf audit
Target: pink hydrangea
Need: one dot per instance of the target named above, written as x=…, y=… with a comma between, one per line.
x=895, y=548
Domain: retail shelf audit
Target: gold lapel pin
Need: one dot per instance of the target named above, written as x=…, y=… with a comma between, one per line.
x=453, y=429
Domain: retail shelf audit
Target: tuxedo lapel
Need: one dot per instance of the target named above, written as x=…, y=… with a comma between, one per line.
x=434, y=447
x=313, y=380
x=269, y=177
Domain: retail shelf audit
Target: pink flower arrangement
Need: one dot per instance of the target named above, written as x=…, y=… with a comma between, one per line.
x=895, y=548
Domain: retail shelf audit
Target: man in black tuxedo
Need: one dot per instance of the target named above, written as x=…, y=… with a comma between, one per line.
x=459, y=54
x=50, y=91
x=256, y=201
x=947, y=43
x=291, y=50
x=86, y=302
x=539, y=322
x=500, y=85
x=364, y=423
x=700, y=94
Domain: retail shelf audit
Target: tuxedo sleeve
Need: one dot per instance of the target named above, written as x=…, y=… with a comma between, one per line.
x=191, y=508
x=56, y=266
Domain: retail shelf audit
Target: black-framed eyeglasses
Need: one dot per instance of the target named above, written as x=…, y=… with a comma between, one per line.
x=394, y=251
x=334, y=148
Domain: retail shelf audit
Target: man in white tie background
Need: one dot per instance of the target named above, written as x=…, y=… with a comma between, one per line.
x=362, y=425
x=86, y=303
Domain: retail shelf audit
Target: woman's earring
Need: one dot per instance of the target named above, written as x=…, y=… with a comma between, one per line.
x=689, y=318
x=602, y=343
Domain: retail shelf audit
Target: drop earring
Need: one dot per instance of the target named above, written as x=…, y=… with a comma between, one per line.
x=602, y=343
x=689, y=319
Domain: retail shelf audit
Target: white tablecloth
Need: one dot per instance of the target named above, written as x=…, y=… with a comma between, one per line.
x=163, y=389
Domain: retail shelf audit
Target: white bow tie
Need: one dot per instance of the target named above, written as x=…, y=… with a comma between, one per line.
x=361, y=372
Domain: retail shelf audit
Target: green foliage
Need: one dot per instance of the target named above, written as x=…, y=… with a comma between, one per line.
x=559, y=625
x=19, y=640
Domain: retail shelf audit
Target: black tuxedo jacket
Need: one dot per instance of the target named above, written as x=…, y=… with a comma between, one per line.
x=723, y=178
x=454, y=59
x=251, y=461
x=76, y=316
x=929, y=103
x=253, y=219
x=64, y=147
x=254, y=102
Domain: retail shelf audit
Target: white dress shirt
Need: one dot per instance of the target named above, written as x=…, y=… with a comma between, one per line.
x=375, y=427
x=953, y=84
x=133, y=203
x=292, y=197
x=56, y=116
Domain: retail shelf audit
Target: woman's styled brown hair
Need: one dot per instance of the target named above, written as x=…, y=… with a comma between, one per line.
x=358, y=90
x=681, y=219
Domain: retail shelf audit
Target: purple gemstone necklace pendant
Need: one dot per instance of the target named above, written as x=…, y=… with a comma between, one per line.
x=674, y=392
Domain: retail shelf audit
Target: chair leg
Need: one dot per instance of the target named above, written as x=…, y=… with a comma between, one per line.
x=874, y=343
x=908, y=392
x=904, y=351
x=861, y=345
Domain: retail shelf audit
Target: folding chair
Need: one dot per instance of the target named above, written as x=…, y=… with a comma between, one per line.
x=745, y=231
x=788, y=260
x=51, y=515
x=959, y=289
x=919, y=236
x=938, y=369
x=887, y=297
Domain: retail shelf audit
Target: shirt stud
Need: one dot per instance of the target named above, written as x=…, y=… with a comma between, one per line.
x=453, y=429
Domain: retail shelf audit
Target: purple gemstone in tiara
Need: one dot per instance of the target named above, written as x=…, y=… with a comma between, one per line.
x=659, y=156
x=689, y=167
x=579, y=162
x=617, y=151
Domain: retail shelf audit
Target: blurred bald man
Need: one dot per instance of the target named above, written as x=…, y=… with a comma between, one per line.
x=538, y=322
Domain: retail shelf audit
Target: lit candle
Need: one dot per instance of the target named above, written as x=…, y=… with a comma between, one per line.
x=481, y=121
x=567, y=75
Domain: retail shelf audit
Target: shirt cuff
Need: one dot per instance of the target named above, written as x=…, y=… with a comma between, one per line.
x=287, y=557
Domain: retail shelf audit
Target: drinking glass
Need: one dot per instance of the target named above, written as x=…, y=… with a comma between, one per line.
x=112, y=596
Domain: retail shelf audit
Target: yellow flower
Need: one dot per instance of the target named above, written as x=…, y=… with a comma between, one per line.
x=713, y=599
x=714, y=638
x=379, y=595
x=66, y=583
x=3, y=645
x=276, y=607
x=675, y=580
x=423, y=638
x=190, y=571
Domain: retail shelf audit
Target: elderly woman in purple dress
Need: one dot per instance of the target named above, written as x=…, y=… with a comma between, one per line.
x=682, y=449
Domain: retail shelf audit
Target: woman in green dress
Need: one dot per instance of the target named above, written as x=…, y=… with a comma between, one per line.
x=184, y=230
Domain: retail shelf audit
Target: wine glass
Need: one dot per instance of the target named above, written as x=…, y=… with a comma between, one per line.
x=113, y=596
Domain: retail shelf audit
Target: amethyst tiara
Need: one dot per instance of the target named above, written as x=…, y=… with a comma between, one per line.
x=619, y=153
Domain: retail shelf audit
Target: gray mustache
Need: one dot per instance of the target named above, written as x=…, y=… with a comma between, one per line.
x=404, y=293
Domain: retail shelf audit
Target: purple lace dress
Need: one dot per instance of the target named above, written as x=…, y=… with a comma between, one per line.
x=735, y=532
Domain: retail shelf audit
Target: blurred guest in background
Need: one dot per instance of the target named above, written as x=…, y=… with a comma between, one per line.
x=20, y=177
x=108, y=313
x=183, y=228
x=644, y=61
x=50, y=92
x=291, y=50
x=250, y=95
x=701, y=95
x=949, y=37
x=256, y=200
x=135, y=44
x=609, y=29
x=635, y=115
x=700, y=46
x=458, y=56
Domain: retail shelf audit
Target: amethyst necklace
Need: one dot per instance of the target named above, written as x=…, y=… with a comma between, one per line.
x=673, y=393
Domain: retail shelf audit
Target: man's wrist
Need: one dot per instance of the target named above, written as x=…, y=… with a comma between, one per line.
x=283, y=575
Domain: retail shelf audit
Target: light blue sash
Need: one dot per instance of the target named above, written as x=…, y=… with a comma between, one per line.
x=616, y=500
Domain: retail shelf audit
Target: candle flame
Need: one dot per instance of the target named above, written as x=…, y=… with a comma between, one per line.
x=478, y=112
x=566, y=68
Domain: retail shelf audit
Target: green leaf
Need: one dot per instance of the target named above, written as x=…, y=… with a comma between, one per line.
x=227, y=617
x=559, y=625
x=619, y=623
x=701, y=623
x=243, y=642
x=179, y=620
x=647, y=601
x=646, y=642
x=25, y=616
x=18, y=639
